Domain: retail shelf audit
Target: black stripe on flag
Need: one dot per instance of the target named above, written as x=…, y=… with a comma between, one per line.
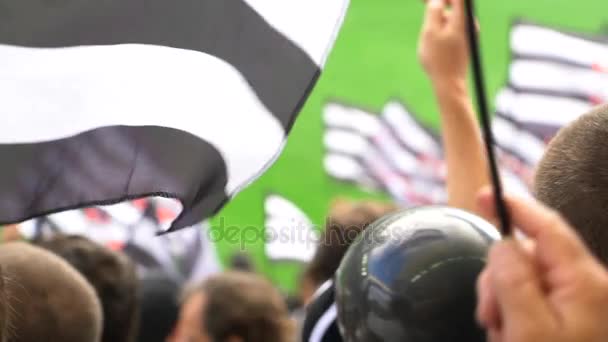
x=278, y=70
x=139, y=161
x=110, y=100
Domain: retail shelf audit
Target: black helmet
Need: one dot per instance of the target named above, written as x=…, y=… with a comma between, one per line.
x=410, y=277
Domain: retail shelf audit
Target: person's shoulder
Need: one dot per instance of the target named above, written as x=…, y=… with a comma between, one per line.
x=320, y=324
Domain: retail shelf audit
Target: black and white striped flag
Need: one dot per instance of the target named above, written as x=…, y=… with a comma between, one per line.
x=104, y=101
x=541, y=114
x=555, y=77
x=395, y=153
x=390, y=151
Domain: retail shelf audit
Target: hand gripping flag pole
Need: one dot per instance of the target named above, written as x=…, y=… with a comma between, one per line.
x=478, y=78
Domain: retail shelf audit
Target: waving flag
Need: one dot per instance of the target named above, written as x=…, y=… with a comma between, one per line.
x=104, y=101
x=390, y=152
x=394, y=153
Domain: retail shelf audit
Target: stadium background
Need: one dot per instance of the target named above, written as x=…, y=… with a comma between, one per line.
x=375, y=60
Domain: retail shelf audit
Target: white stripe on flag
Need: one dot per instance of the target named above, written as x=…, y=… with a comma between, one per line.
x=548, y=43
x=347, y=142
x=399, y=157
x=304, y=21
x=540, y=109
x=556, y=77
x=58, y=93
x=339, y=116
x=513, y=184
x=522, y=143
x=408, y=130
x=346, y=168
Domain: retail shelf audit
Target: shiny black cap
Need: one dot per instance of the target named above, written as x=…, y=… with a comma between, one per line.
x=410, y=277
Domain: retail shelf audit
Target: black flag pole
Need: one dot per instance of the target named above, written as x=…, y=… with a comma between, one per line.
x=484, y=114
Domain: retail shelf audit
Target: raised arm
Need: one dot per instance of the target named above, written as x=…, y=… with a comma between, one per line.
x=443, y=52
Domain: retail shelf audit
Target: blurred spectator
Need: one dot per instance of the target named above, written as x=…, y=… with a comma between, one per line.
x=112, y=275
x=45, y=299
x=234, y=307
x=345, y=221
x=159, y=308
x=189, y=327
x=241, y=261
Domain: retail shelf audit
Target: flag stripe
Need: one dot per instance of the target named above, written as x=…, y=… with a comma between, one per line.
x=410, y=131
x=278, y=70
x=557, y=78
x=519, y=142
x=542, y=109
x=544, y=131
x=543, y=42
x=128, y=88
x=346, y=169
x=293, y=19
x=140, y=161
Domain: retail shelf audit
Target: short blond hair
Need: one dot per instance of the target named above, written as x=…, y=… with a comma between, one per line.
x=46, y=299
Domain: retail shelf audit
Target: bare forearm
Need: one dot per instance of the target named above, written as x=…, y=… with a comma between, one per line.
x=466, y=161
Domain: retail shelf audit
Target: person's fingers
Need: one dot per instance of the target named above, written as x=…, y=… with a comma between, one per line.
x=494, y=335
x=458, y=17
x=517, y=287
x=487, y=308
x=556, y=242
x=434, y=14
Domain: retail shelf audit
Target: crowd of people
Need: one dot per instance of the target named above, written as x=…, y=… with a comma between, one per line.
x=549, y=284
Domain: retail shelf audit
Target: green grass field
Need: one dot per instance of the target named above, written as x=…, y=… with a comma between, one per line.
x=374, y=60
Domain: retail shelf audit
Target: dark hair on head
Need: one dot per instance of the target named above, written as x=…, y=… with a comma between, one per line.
x=112, y=275
x=245, y=305
x=572, y=178
x=344, y=223
x=43, y=298
x=159, y=307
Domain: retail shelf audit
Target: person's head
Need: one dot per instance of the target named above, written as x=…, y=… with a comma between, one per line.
x=112, y=275
x=159, y=307
x=235, y=307
x=572, y=178
x=189, y=327
x=45, y=299
x=346, y=220
x=244, y=307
